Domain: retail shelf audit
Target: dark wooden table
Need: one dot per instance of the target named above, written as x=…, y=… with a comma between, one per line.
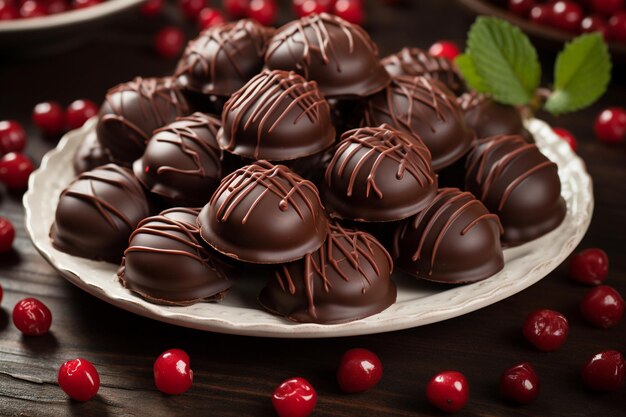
x=234, y=375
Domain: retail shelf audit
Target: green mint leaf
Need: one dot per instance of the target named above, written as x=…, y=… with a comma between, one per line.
x=581, y=74
x=505, y=59
x=466, y=67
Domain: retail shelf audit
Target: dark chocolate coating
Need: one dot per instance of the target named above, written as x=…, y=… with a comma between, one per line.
x=490, y=118
x=132, y=111
x=166, y=264
x=182, y=161
x=426, y=109
x=89, y=154
x=276, y=116
x=264, y=213
x=97, y=213
x=417, y=62
x=518, y=183
x=378, y=174
x=223, y=58
x=187, y=216
x=340, y=56
x=347, y=279
x=455, y=240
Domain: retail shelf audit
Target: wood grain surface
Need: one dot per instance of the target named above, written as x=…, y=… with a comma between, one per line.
x=235, y=376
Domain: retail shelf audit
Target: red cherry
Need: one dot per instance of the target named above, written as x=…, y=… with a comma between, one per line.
x=604, y=371
x=350, y=10
x=590, y=266
x=359, y=370
x=295, y=397
x=169, y=41
x=236, y=8
x=191, y=8
x=12, y=136
x=79, y=379
x=7, y=234
x=30, y=8
x=32, y=317
x=263, y=11
x=567, y=136
x=307, y=7
x=445, y=49
x=209, y=17
x=56, y=6
x=49, y=117
x=152, y=8
x=172, y=374
x=83, y=4
x=610, y=125
x=606, y=7
x=521, y=7
x=15, y=168
x=603, y=306
x=594, y=23
x=541, y=14
x=448, y=391
x=8, y=11
x=78, y=112
x=520, y=384
x=617, y=27
x=546, y=329
x=566, y=15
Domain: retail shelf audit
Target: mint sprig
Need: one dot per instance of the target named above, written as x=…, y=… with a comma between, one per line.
x=465, y=64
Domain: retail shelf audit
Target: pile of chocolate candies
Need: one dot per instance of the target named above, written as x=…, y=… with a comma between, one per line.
x=299, y=152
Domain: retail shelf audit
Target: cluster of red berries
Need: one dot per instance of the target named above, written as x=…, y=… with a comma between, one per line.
x=579, y=16
x=26, y=9
x=15, y=168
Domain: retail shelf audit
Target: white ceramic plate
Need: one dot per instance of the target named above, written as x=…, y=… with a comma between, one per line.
x=418, y=303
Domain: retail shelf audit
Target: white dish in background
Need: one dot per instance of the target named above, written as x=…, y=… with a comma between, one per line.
x=418, y=303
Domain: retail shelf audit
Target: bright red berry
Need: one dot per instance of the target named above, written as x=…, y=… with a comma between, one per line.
x=606, y=7
x=295, y=397
x=172, y=374
x=83, y=4
x=15, y=168
x=541, y=14
x=445, y=49
x=595, y=23
x=521, y=7
x=49, y=117
x=546, y=329
x=31, y=8
x=604, y=371
x=169, y=41
x=12, y=136
x=610, y=125
x=7, y=235
x=56, y=6
x=617, y=27
x=448, y=391
x=236, y=8
x=8, y=11
x=590, y=266
x=79, y=379
x=151, y=8
x=32, y=317
x=359, y=370
x=566, y=15
x=603, y=306
x=191, y=8
x=519, y=384
x=350, y=10
x=263, y=11
x=78, y=112
x=567, y=136
x=209, y=17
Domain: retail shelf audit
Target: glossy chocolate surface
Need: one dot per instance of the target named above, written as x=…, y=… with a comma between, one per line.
x=89, y=154
x=132, y=111
x=223, y=58
x=347, y=279
x=276, y=116
x=97, y=213
x=426, y=109
x=518, y=183
x=264, y=213
x=378, y=174
x=455, y=240
x=182, y=161
x=340, y=56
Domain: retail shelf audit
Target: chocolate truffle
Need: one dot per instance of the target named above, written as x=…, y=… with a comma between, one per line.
x=417, y=62
x=89, y=154
x=276, y=116
x=378, y=174
x=455, y=240
x=490, y=118
x=223, y=58
x=97, y=213
x=340, y=56
x=518, y=183
x=182, y=161
x=264, y=213
x=165, y=264
x=347, y=279
x=426, y=109
x=132, y=111
x=187, y=216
